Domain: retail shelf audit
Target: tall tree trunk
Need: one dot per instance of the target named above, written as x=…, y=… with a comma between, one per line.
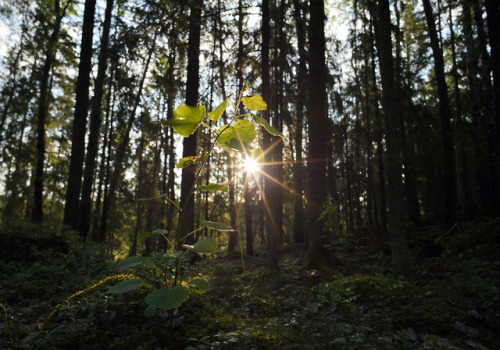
x=395, y=191
x=80, y=119
x=43, y=110
x=493, y=14
x=318, y=255
x=272, y=232
x=449, y=180
x=298, y=168
x=95, y=124
x=186, y=218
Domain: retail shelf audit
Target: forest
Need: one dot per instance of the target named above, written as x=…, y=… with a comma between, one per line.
x=243, y=174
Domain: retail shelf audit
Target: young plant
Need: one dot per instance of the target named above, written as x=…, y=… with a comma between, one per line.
x=235, y=136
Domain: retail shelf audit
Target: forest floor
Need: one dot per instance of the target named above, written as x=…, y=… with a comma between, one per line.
x=450, y=301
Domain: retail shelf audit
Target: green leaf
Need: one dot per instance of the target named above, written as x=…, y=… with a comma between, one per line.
x=185, y=162
x=254, y=102
x=141, y=237
x=217, y=113
x=245, y=130
x=214, y=187
x=270, y=129
x=237, y=137
x=126, y=286
x=201, y=285
x=216, y=226
x=133, y=261
x=167, y=298
x=205, y=246
x=150, y=311
x=186, y=119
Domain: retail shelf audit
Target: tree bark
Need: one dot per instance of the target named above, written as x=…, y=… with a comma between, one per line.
x=43, y=110
x=80, y=119
x=318, y=255
x=449, y=180
x=95, y=124
x=298, y=167
x=186, y=218
x=395, y=191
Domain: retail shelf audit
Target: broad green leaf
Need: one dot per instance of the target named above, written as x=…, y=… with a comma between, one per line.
x=237, y=137
x=150, y=311
x=185, y=162
x=133, y=261
x=216, y=226
x=205, y=246
x=186, y=119
x=141, y=237
x=254, y=102
x=217, y=113
x=214, y=187
x=126, y=286
x=201, y=285
x=270, y=129
x=245, y=130
x=167, y=298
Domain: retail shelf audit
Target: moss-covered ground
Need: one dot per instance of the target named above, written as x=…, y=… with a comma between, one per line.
x=53, y=295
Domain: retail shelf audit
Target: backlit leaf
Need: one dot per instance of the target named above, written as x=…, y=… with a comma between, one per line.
x=254, y=102
x=270, y=129
x=186, y=119
x=214, y=187
x=217, y=113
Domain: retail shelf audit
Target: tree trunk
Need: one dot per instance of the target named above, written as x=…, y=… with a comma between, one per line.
x=95, y=124
x=186, y=218
x=318, y=255
x=395, y=191
x=493, y=14
x=80, y=119
x=298, y=167
x=449, y=180
x=43, y=110
x=272, y=233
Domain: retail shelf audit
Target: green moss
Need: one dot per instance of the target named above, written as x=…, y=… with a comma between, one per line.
x=385, y=300
x=91, y=291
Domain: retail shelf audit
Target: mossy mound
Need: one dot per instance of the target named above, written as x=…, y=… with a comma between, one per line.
x=389, y=302
x=95, y=319
x=482, y=239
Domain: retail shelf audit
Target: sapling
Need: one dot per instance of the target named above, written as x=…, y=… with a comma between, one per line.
x=235, y=136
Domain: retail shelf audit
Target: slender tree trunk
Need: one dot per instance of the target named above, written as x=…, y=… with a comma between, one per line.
x=298, y=168
x=43, y=110
x=318, y=256
x=395, y=190
x=450, y=187
x=271, y=230
x=186, y=218
x=80, y=119
x=95, y=124
x=493, y=14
